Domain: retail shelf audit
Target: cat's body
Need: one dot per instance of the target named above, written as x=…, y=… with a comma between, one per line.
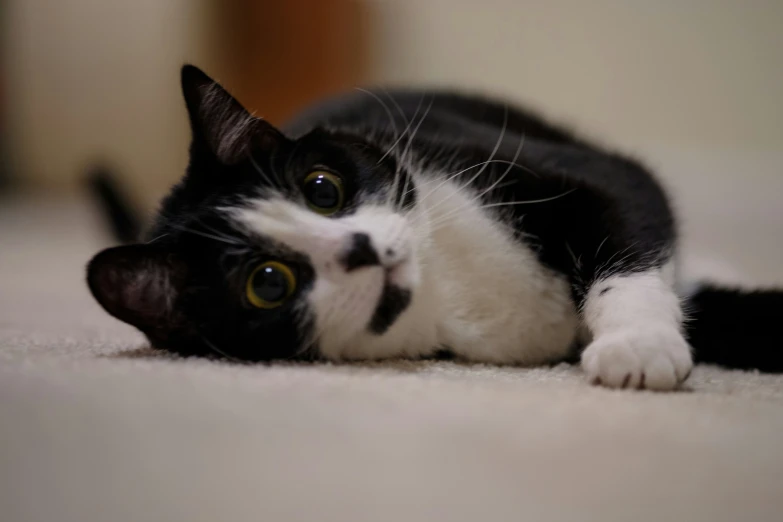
x=505, y=283
x=400, y=224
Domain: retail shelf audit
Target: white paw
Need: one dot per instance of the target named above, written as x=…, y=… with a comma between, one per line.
x=655, y=359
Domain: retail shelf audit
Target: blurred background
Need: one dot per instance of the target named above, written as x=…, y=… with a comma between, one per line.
x=693, y=87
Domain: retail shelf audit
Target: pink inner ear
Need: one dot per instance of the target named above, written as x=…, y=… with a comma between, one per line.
x=227, y=126
x=148, y=292
x=220, y=122
x=136, y=284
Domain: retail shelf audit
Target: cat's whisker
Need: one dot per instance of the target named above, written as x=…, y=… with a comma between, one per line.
x=396, y=105
x=406, y=131
x=599, y=247
x=445, y=218
x=495, y=185
x=576, y=260
x=156, y=238
x=450, y=165
x=307, y=348
x=491, y=157
x=228, y=241
x=220, y=352
x=231, y=270
x=505, y=173
x=506, y=184
x=388, y=115
x=406, y=154
x=237, y=252
x=619, y=262
x=607, y=264
x=448, y=177
x=407, y=125
x=315, y=338
x=218, y=233
x=404, y=158
x=275, y=178
x=280, y=179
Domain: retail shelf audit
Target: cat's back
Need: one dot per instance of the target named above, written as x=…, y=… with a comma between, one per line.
x=442, y=114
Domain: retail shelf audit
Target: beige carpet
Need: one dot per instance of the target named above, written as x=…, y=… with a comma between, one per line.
x=94, y=427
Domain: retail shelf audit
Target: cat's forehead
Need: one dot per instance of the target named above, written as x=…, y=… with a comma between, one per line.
x=281, y=166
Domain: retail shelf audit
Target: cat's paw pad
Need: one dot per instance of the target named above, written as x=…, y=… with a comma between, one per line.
x=655, y=359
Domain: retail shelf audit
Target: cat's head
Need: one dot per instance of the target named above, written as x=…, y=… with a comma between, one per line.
x=269, y=247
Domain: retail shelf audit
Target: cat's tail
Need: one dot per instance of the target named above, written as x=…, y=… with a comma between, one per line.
x=737, y=328
x=121, y=216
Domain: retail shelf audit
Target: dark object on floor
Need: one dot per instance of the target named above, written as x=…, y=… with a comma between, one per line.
x=122, y=218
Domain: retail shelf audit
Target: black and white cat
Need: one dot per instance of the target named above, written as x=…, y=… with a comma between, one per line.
x=401, y=224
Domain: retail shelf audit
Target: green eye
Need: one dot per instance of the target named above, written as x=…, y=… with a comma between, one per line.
x=324, y=192
x=270, y=285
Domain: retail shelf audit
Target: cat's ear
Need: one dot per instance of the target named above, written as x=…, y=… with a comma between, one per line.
x=139, y=284
x=219, y=121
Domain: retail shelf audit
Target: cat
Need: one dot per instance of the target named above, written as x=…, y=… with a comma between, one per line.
x=405, y=224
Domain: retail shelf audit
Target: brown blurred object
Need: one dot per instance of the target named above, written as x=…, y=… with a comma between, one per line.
x=276, y=56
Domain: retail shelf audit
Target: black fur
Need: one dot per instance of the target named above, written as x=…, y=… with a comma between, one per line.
x=736, y=328
x=394, y=301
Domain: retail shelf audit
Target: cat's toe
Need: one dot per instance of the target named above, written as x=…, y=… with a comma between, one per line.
x=643, y=359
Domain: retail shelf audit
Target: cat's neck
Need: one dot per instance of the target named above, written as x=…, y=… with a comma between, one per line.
x=488, y=290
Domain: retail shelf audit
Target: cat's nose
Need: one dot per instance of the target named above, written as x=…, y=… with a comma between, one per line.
x=359, y=253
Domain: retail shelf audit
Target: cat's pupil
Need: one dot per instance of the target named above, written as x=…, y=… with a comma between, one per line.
x=270, y=285
x=322, y=193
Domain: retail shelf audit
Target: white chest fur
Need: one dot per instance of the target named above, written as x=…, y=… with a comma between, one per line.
x=491, y=300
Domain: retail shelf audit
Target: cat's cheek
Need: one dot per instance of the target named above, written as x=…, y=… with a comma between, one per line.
x=343, y=308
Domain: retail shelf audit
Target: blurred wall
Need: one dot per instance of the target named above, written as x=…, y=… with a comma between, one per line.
x=98, y=80
x=277, y=56
x=701, y=72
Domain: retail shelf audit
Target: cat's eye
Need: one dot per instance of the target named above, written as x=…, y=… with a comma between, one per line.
x=324, y=192
x=270, y=284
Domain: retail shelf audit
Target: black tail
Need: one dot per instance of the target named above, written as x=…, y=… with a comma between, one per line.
x=737, y=329
x=122, y=218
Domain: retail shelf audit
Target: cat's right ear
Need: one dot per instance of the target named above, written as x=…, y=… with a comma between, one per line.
x=140, y=285
x=219, y=122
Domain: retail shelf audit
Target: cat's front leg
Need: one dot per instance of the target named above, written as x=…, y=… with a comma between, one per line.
x=636, y=324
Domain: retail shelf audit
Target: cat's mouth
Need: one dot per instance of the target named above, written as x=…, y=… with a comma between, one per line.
x=380, y=278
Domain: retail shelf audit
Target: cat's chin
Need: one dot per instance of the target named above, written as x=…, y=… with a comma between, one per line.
x=393, y=302
x=399, y=284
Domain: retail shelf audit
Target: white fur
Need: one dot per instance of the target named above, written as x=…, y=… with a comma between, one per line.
x=496, y=302
x=636, y=325
x=475, y=289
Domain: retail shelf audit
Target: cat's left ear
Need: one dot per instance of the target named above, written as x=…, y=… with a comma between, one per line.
x=219, y=121
x=140, y=285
